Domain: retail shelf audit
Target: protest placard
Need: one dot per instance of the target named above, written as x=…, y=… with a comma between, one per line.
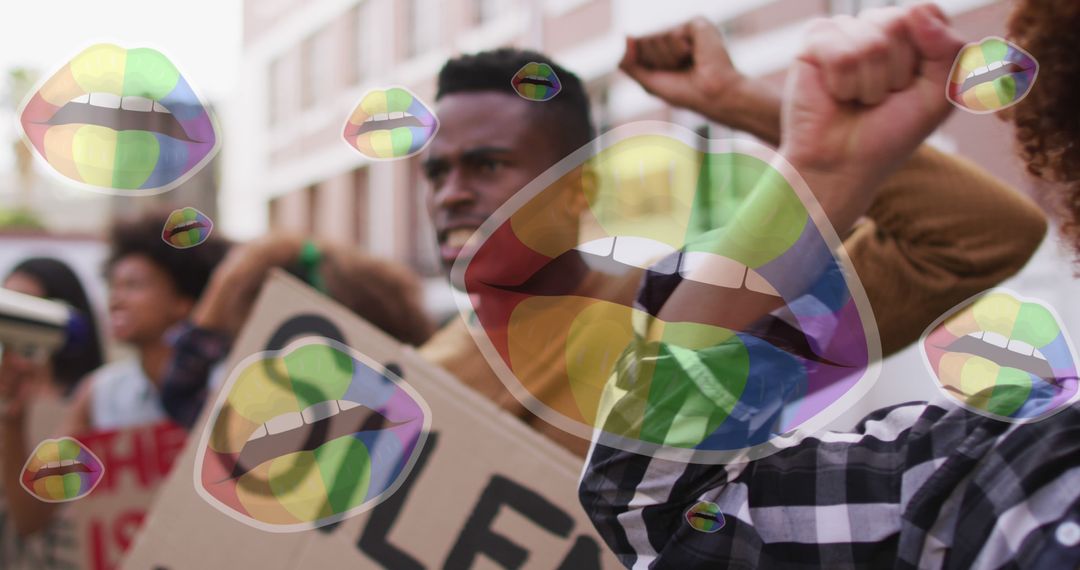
x=485, y=491
x=94, y=531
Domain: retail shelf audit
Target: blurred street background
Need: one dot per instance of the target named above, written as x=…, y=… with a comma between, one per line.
x=282, y=76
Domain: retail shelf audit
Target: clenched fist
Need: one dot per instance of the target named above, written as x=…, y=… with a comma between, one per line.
x=861, y=96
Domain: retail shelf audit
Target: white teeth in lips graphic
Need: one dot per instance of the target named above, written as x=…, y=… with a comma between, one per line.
x=387, y=116
x=1017, y=346
x=106, y=100
x=292, y=420
x=724, y=272
x=129, y=103
x=697, y=266
x=985, y=69
x=998, y=340
x=61, y=463
x=637, y=251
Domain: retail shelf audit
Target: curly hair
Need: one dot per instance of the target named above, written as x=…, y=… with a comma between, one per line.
x=383, y=292
x=1047, y=120
x=188, y=269
x=491, y=71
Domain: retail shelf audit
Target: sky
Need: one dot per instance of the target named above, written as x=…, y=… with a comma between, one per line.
x=203, y=38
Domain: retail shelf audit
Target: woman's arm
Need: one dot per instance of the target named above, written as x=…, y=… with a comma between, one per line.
x=939, y=231
x=859, y=100
x=924, y=246
x=216, y=320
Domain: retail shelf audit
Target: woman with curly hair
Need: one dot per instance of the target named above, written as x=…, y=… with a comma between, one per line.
x=916, y=485
x=1048, y=119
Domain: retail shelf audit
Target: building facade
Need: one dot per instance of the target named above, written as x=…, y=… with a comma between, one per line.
x=307, y=63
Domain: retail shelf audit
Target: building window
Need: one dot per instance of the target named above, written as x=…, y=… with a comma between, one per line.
x=307, y=72
x=485, y=11
x=311, y=217
x=361, y=208
x=853, y=7
x=274, y=212
x=316, y=68
x=355, y=45
x=421, y=247
x=275, y=98
x=424, y=24
x=599, y=92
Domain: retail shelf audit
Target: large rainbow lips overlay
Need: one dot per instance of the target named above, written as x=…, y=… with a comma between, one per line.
x=61, y=470
x=389, y=124
x=794, y=344
x=122, y=121
x=186, y=227
x=307, y=436
x=991, y=75
x=1003, y=356
x=536, y=82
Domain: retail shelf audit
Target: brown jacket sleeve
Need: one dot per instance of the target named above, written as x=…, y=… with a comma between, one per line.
x=940, y=230
x=454, y=349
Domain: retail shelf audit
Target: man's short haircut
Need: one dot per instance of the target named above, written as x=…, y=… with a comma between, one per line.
x=188, y=269
x=492, y=71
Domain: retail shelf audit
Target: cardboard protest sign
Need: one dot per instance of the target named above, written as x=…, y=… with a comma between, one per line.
x=484, y=490
x=94, y=531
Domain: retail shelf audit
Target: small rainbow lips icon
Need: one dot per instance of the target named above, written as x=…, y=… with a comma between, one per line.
x=990, y=76
x=779, y=334
x=1003, y=356
x=61, y=470
x=307, y=436
x=389, y=124
x=186, y=227
x=705, y=517
x=120, y=121
x=536, y=82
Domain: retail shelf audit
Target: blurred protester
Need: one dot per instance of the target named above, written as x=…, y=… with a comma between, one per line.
x=384, y=293
x=492, y=143
x=152, y=287
x=50, y=278
x=925, y=485
x=53, y=381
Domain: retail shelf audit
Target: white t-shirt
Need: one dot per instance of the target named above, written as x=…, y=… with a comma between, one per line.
x=122, y=396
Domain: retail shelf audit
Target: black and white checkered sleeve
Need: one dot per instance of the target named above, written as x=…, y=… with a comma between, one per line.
x=831, y=500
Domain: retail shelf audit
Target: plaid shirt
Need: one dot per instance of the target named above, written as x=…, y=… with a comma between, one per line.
x=914, y=486
x=918, y=485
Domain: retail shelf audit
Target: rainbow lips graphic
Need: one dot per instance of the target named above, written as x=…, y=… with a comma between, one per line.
x=1003, y=356
x=536, y=82
x=186, y=227
x=705, y=517
x=121, y=121
x=390, y=124
x=990, y=76
x=779, y=335
x=61, y=470
x=308, y=436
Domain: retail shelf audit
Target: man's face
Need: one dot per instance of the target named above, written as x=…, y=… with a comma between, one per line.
x=490, y=145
